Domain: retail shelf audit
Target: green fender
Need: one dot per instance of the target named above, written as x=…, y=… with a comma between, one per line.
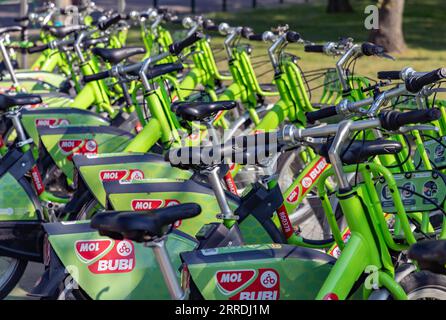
x=33, y=118
x=258, y=272
x=154, y=193
x=62, y=143
x=96, y=170
x=18, y=201
x=113, y=270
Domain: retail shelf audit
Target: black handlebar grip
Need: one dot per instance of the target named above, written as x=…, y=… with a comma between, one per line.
x=41, y=9
x=246, y=32
x=89, y=42
x=21, y=19
x=292, y=36
x=393, y=120
x=40, y=48
x=323, y=113
x=370, y=49
x=104, y=25
x=97, y=76
x=161, y=69
x=389, y=75
x=176, y=48
x=314, y=48
x=210, y=25
x=171, y=18
x=255, y=37
x=177, y=21
x=162, y=10
x=415, y=84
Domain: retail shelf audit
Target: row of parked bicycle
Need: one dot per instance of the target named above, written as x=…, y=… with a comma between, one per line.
x=172, y=178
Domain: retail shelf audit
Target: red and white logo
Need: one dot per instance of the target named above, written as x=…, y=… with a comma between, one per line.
x=121, y=174
x=294, y=195
x=307, y=182
x=37, y=180
x=315, y=172
x=124, y=248
x=230, y=281
x=152, y=204
x=265, y=287
x=51, y=122
x=335, y=251
x=112, y=175
x=89, y=250
x=136, y=174
x=285, y=222
x=120, y=259
x=91, y=146
x=68, y=145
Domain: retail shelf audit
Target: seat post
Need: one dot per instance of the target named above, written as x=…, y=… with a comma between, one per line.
x=212, y=132
x=8, y=63
x=17, y=123
x=165, y=265
x=214, y=180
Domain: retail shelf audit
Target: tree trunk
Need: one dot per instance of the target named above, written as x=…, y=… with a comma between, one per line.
x=335, y=6
x=390, y=31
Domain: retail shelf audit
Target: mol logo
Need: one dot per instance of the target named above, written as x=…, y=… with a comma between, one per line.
x=70, y=147
x=89, y=250
x=265, y=287
x=112, y=175
x=230, y=281
x=294, y=195
x=51, y=122
x=152, y=204
x=120, y=259
x=106, y=256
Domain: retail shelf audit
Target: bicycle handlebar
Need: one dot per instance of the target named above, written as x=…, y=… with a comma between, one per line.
x=390, y=120
x=176, y=48
x=393, y=120
x=40, y=48
x=416, y=82
x=323, y=113
x=104, y=25
x=319, y=48
x=21, y=19
x=389, y=75
x=255, y=37
x=209, y=25
x=370, y=49
x=292, y=36
x=97, y=76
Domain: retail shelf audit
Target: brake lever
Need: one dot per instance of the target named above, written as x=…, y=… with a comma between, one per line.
x=427, y=92
x=406, y=129
x=184, y=57
x=386, y=56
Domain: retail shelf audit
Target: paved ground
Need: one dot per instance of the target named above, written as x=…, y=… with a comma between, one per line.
x=32, y=273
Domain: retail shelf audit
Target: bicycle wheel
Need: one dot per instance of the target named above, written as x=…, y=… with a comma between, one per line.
x=11, y=271
x=424, y=285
